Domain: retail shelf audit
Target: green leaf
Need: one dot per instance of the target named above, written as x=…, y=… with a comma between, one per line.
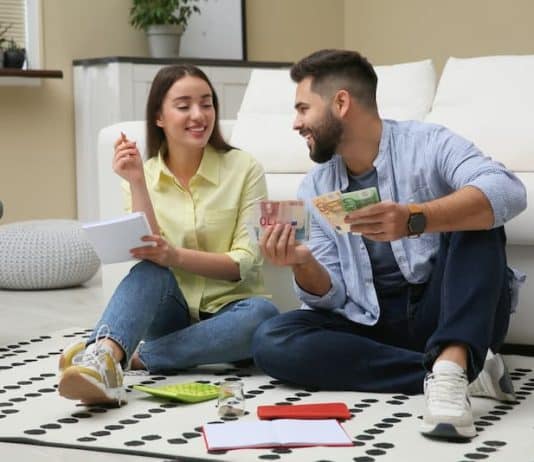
x=144, y=13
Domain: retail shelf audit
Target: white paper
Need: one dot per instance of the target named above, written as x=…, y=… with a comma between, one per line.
x=282, y=432
x=113, y=239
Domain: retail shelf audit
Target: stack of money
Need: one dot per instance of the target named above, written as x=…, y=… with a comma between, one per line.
x=334, y=206
x=268, y=213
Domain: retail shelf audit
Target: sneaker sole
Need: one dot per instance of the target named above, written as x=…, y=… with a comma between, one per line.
x=77, y=386
x=449, y=431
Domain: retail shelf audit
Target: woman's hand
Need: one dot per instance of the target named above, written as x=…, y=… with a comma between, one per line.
x=127, y=161
x=159, y=252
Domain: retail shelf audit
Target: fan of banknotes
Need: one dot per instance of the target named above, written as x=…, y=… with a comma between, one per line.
x=267, y=213
x=335, y=205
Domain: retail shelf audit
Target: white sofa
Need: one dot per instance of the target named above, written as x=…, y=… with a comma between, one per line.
x=490, y=100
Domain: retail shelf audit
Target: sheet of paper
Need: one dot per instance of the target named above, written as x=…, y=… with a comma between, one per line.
x=240, y=435
x=314, y=432
x=113, y=239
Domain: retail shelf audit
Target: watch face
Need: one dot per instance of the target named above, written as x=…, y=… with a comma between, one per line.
x=417, y=223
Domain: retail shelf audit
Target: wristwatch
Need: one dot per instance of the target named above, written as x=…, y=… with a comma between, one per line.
x=416, y=220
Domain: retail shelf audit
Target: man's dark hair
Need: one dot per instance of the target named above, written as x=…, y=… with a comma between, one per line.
x=332, y=70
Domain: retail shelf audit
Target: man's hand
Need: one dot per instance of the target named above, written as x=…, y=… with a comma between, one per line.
x=385, y=221
x=161, y=253
x=278, y=245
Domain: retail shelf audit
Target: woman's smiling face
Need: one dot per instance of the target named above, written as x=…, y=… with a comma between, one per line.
x=187, y=113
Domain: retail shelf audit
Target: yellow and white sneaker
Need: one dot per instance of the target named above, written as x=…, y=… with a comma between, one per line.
x=93, y=377
x=70, y=354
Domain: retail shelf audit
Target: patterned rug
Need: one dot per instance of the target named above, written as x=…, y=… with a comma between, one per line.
x=383, y=427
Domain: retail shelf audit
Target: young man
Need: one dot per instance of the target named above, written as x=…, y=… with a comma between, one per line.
x=418, y=295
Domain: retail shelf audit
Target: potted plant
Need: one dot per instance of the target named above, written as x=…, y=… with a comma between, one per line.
x=14, y=55
x=164, y=22
x=3, y=42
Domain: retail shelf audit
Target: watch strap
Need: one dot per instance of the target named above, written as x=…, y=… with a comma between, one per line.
x=415, y=208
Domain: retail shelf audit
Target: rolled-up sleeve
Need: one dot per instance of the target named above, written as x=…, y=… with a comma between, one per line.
x=506, y=194
x=462, y=164
x=244, y=251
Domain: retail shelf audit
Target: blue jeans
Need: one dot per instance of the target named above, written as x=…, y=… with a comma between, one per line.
x=466, y=301
x=148, y=305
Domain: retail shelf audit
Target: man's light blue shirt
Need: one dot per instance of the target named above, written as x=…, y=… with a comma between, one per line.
x=416, y=162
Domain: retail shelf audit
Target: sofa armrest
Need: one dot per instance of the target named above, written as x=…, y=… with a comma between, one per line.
x=227, y=125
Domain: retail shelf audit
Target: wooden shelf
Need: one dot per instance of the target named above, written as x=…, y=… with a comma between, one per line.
x=31, y=73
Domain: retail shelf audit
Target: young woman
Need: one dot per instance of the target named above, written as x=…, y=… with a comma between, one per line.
x=197, y=295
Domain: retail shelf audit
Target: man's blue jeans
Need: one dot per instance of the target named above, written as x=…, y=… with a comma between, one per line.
x=148, y=305
x=466, y=301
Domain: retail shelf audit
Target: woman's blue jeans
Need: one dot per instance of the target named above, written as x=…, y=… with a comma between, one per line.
x=466, y=301
x=148, y=305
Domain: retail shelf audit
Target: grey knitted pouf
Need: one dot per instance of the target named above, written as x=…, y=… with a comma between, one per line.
x=45, y=254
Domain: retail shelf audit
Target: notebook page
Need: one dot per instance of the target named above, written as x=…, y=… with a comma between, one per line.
x=240, y=434
x=311, y=432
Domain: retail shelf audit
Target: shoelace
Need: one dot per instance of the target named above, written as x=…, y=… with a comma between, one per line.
x=446, y=390
x=91, y=355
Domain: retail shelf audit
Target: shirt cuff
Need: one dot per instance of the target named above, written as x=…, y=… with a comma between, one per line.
x=503, y=203
x=326, y=301
x=244, y=261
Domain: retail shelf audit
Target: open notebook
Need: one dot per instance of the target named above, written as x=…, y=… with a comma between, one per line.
x=282, y=432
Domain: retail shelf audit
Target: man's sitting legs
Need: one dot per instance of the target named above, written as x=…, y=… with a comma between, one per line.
x=324, y=350
x=461, y=307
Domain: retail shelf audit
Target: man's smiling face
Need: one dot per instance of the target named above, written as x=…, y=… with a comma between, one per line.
x=316, y=123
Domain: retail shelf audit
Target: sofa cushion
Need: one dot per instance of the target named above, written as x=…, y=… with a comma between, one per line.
x=405, y=91
x=489, y=100
x=269, y=91
x=271, y=139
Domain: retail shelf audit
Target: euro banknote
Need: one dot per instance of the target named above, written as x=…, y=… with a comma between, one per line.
x=268, y=213
x=334, y=206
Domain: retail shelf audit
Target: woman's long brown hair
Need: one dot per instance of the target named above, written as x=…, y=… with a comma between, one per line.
x=164, y=80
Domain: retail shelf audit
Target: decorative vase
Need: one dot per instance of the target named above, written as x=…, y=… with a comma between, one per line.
x=164, y=40
x=14, y=58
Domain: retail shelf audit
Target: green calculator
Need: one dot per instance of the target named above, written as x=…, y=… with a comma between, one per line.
x=192, y=392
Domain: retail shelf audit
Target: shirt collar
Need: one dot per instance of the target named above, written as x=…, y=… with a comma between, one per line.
x=210, y=165
x=384, y=143
x=208, y=169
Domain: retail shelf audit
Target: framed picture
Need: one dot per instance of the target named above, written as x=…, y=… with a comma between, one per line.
x=218, y=32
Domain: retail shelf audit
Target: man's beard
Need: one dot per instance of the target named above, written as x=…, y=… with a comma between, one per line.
x=326, y=138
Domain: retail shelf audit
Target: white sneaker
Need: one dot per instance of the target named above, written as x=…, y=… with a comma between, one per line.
x=493, y=381
x=448, y=409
